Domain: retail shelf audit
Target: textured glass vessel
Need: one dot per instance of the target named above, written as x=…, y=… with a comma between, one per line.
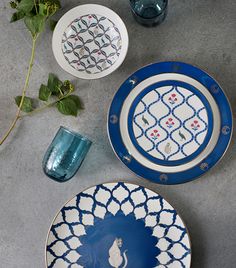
x=65, y=155
x=149, y=12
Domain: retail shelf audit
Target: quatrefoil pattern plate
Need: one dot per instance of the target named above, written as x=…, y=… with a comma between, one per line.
x=118, y=225
x=170, y=122
x=90, y=41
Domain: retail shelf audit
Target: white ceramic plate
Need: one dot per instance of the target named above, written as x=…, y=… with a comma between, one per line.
x=170, y=122
x=90, y=41
x=118, y=225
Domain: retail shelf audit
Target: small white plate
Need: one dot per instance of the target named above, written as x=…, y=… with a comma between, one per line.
x=90, y=41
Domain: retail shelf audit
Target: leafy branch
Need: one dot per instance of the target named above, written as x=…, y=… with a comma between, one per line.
x=60, y=95
x=35, y=14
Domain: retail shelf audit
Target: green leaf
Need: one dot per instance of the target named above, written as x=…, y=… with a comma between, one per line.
x=67, y=106
x=51, y=2
x=67, y=87
x=27, y=105
x=42, y=9
x=77, y=101
x=25, y=5
x=44, y=93
x=52, y=6
x=17, y=16
x=35, y=24
x=52, y=81
x=52, y=24
x=13, y=4
x=54, y=84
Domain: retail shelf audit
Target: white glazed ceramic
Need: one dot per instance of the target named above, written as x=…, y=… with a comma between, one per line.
x=170, y=122
x=184, y=112
x=118, y=225
x=90, y=41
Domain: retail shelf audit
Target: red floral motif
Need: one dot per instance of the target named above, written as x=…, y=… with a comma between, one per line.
x=155, y=135
x=170, y=123
x=195, y=125
x=172, y=99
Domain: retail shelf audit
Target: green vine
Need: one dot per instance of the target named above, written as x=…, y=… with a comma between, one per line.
x=35, y=14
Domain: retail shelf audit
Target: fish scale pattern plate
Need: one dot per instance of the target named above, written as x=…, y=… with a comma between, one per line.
x=170, y=122
x=118, y=225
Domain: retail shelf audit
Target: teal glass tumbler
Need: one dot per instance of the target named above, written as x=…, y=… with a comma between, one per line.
x=65, y=155
x=149, y=12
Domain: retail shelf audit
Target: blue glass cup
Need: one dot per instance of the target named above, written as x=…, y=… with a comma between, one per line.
x=65, y=155
x=149, y=12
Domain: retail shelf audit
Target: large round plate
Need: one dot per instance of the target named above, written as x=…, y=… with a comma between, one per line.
x=170, y=122
x=90, y=41
x=118, y=225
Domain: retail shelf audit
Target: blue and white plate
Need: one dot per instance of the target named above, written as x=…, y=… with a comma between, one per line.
x=170, y=122
x=118, y=225
x=90, y=41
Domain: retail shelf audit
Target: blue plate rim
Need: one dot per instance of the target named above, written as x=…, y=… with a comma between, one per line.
x=217, y=93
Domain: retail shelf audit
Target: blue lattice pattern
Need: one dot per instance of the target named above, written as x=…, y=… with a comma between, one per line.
x=170, y=123
x=91, y=43
x=71, y=225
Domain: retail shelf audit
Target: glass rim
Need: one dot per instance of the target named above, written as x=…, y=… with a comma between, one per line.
x=151, y=18
x=76, y=134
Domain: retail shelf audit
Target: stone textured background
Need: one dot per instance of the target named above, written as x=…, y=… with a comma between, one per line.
x=198, y=32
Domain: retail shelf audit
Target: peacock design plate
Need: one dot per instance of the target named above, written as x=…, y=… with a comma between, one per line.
x=170, y=122
x=118, y=225
x=90, y=41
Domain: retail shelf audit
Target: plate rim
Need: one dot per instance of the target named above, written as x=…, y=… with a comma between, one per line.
x=109, y=14
x=112, y=182
x=132, y=78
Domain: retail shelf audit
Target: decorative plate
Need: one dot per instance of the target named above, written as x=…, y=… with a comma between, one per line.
x=118, y=225
x=170, y=122
x=90, y=41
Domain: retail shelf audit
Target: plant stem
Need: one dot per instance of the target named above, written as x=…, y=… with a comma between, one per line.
x=60, y=91
x=23, y=92
x=45, y=106
x=35, y=6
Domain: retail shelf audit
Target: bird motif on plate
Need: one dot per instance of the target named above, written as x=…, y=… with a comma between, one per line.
x=182, y=136
x=145, y=121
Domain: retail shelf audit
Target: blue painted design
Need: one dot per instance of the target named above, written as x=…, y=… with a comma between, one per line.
x=93, y=230
x=219, y=97
x=178, y=128
x=199, y=117
x=184, y=124
x=148, y=110
x=160, y=122
x=135, y=117
x=105, y=232
x=161, y=119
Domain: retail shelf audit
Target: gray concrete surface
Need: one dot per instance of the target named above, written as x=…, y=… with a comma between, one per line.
x=198, y=32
